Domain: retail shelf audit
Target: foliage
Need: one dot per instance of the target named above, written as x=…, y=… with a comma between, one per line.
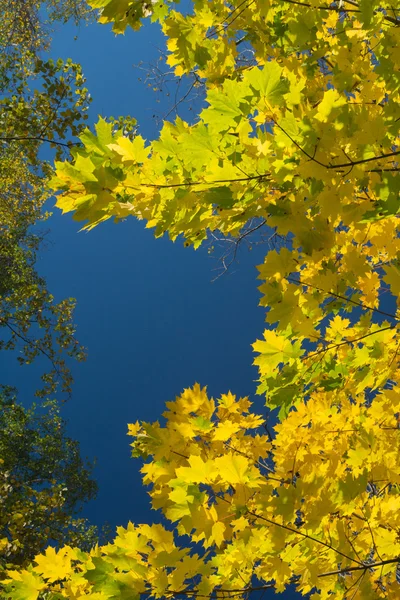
x=43, y=482
x=25, y=25
x=30, y=319
x=317, y=505
x=282, y=141
x=41, y=101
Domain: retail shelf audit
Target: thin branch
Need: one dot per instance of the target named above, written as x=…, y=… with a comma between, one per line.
x=195, y=183
x=236, y=242
x=356, y=585
x=372, y=536
x=183, y=98
x=38, y=139
x=334, y=346
x=221, y=591
x=362, y=567
x=222, y=26
x=339, y=10
x=305, y=535
x=32, y=344
x=179, y=454
x=351, y=163
x=363, y=306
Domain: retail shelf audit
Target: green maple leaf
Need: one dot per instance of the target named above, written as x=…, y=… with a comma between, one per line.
x=220, y=196
x=101, y=577
x=227, y=105
x=367, y=10
x=268, y=82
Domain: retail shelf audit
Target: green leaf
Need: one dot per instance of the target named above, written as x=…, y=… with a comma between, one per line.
x=367, y=8
x=104, y=132
x=221, y=197
x=227, y=105
x=268, y=82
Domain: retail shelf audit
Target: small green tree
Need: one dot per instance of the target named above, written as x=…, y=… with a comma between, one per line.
x=43, y=482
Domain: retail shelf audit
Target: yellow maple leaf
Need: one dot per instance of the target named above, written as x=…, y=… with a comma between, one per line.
x=131, y=150
x=331, y=101
x=217, y=533
x=225, y=430
x=274, y=350
x=26, y=585
x=134, y=428
x=387, y=542
x=357, y=458
x=369, y=284
x=337, y=329
x=234, y=468
x=55, y=565
x=198, y=471
x=277, y=265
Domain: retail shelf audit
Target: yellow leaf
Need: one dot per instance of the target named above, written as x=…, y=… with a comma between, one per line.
x=131, y=150
x=25, y=585
x=234, y=468
x=225, y=430
x=276, y=349
x=331, y=100
x=55, y=565
x=198, y=471
x=134, y=428
x=218, y=530
x=387, y=544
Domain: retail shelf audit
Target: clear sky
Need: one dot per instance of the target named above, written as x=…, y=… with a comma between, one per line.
x=147, y=310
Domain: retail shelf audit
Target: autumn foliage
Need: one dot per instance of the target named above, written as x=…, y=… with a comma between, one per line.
x=299, y=134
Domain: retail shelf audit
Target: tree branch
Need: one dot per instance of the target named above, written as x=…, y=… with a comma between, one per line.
x=195, y=183
x=334, y=346
x=362, y=567
x=340, y=10
x=363, y=306
x=304, y=535
x=351, y=163
x=38, y=139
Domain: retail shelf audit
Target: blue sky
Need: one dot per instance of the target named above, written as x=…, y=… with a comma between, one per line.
x=147, y=310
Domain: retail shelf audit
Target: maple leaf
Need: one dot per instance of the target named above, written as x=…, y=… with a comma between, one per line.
x=225, y=430
x=199, y=471
x=55, y=565
x=25, y=585
x=268, y=82
x=331, y=101
x=132, y=151
x=275, y=350
x=233, y=469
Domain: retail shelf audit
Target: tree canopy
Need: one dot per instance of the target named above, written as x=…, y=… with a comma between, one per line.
x=299, y=134
x=43, y=479
x=41, y=102
x=43, y=484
